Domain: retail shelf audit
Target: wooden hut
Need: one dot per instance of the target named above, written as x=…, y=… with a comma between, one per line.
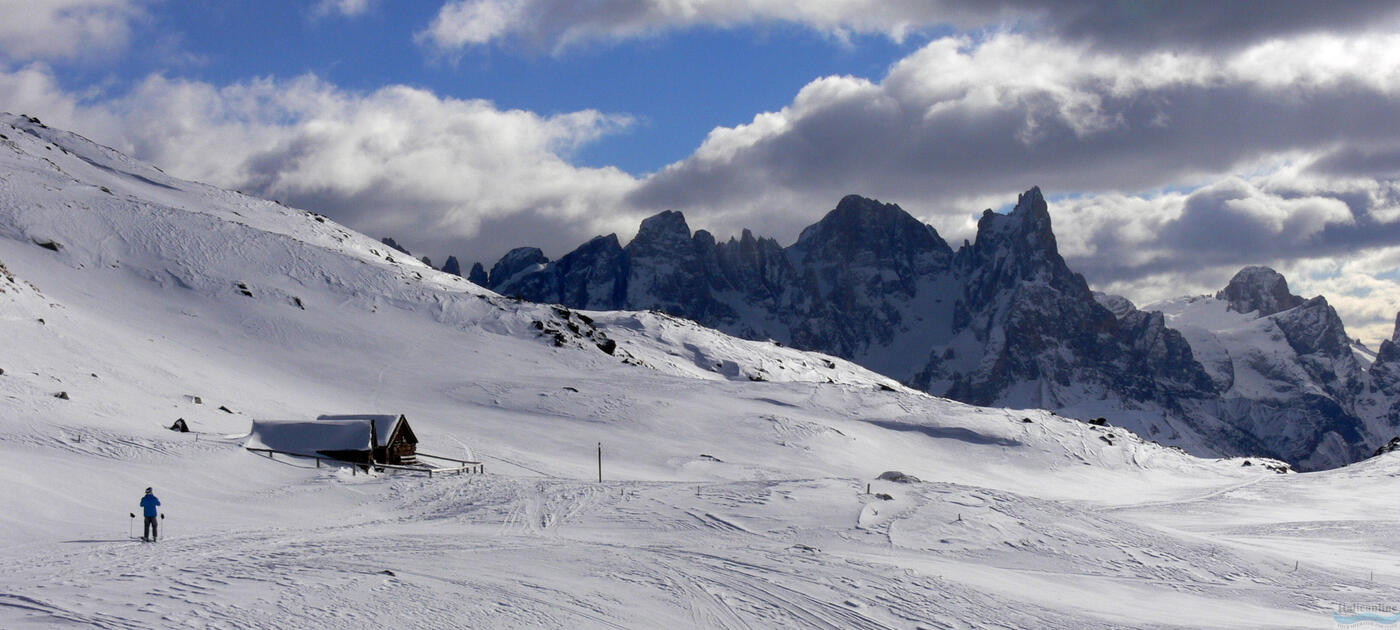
x=394, y=441
x=361, y=439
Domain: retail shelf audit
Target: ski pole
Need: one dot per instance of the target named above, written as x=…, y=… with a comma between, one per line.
x=130, y=525
x=162, y=525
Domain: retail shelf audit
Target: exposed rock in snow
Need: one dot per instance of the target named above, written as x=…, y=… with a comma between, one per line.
x=478, y=275
x=452, y=266
x=391, y=243
x=1118, y=305
x=1258, y=289
x=515, y=262
x=897, y=477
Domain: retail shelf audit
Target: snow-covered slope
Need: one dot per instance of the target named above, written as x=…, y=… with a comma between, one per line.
x=735, y=471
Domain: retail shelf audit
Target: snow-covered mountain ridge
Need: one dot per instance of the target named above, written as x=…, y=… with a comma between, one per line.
x=1282, y=362
x=1001, y=321
x=735, y=471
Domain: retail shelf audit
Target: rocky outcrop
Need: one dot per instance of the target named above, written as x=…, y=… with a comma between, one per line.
x=514, y=262
x=395, y=246
x=1258, y=289
x=477, y=275
x=452, y=266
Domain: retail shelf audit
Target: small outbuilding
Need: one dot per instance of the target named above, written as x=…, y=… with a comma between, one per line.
x=360, y=439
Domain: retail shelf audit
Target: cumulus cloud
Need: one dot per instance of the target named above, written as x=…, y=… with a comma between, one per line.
x=1201, y=24
x=963, y=119
x=1228, y=224
x=398, y=161
x=559, y=24
x=65, y=29
x=1322, y=234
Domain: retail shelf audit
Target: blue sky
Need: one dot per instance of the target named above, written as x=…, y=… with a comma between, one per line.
x=1176, y=141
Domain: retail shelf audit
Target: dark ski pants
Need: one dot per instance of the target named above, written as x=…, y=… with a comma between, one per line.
x=149, y=532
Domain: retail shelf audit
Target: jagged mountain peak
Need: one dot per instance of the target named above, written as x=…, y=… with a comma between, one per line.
x=858, y=203
x=1261, y=289
x=478, y=275
x=1395, y=336
x=514, y=262
x=860, y=224
x=1019, y=246
x=1031, y=216
x=664, y=225
x=453, y=266
x=1315, y=327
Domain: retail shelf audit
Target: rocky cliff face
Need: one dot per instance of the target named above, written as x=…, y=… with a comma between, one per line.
x=1001, y=321
x=1258, y=289
x=1027, y=330
x=1286, y=370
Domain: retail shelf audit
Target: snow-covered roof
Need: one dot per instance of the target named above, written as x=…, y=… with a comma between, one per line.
x=310, y=438
x=383, y=423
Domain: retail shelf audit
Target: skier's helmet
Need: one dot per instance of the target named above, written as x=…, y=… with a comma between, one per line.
x=148, y=490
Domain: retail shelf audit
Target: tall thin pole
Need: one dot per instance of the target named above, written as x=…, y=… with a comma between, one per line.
x=600, y=462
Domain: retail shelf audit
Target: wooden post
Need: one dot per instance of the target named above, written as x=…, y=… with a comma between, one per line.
x=318, y=462
x=373, y=442
x=600, y=462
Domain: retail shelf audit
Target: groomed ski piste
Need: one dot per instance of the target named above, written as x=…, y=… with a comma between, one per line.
x=735, y=473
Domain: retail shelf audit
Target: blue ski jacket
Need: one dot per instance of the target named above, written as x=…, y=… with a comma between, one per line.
x=150, y=502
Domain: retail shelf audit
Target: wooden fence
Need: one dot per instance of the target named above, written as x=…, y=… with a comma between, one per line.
x=463, y=465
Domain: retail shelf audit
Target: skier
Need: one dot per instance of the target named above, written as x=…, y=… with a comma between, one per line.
x=148, y=504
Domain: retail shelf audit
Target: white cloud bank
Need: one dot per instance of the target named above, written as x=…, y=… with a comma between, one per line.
x=397, y=161
x=559, y=25
x=65, y=29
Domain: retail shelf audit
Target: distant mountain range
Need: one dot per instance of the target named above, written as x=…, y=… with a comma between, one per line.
x=1003, y=321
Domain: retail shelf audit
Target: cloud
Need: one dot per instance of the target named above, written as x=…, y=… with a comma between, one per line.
x=1228, y=224
x=397, y=161
x=346, y=8
x=560, y=24
x=1202, y=24
x=963, y=120
x=1233, y=216
x=1199, y=24
x=65, y=29
x=1322, y=234
x=1383, y=161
